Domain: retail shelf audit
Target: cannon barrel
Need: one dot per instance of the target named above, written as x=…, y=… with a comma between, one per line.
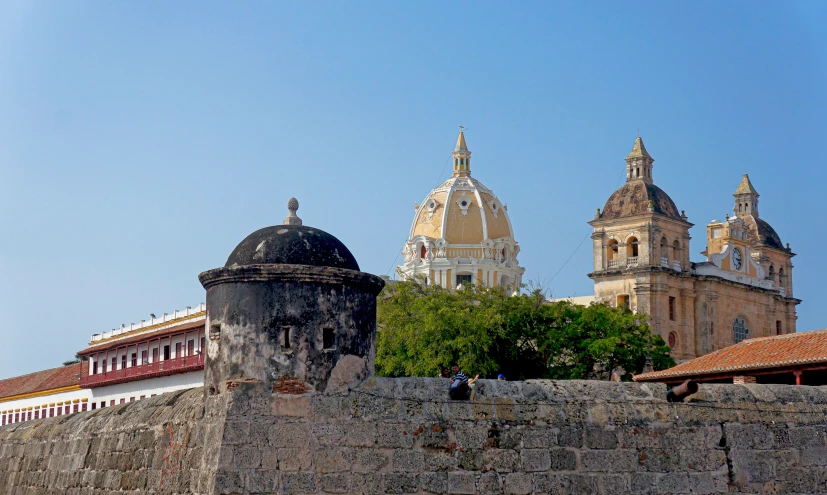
x=685, y=389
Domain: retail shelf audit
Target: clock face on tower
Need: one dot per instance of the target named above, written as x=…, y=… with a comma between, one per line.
x=736, y=258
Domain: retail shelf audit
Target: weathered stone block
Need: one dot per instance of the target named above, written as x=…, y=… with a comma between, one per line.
x=433, y=436
x=749, y=436
x=370, y=460
x=289, y=435
x=229, y=482
x=246, y=456
x=442, y=460
x=500, y=460
x=298, y=459
x=407, y=460
x=612, y=461
x=490, y=484
x=236, y=432
x=538, y=437
x=431, y=482
x=298, y=483
x=462, y=483
x=674, y=483
x=600, y=438
x=471, y=460
x=360, y=434
x=335, y=483
x=614, y=484
x=562, y=460
x=518, y=484
x=567, y=484
x=262, y=481
x=814, y=456
x=535, y=460
x=400, y=482
x=471, y=436
x=366, y=483
x=333, y=459
x=395, y=435
x=570, y=436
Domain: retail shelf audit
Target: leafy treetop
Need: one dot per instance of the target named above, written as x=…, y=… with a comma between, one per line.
x=425, y=328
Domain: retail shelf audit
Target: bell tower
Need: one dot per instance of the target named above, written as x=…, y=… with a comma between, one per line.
x=641, y=254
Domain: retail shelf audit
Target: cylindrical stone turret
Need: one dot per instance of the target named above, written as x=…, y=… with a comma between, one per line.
x=289, y=306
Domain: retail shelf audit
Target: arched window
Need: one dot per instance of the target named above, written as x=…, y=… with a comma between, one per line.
x=673, y=339
x=782, y=277
x=422, y=251
x=740, y=330
x=664, y=253
x=676, y=250
x=611, y=250
x=746, y=206
x=631, y=247
x=772, y=273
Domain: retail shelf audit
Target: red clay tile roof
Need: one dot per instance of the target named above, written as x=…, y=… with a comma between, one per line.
x=40, y=381
x=751, y=354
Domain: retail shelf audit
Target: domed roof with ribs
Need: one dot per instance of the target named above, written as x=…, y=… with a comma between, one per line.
x=633, y=199
x=766, y=234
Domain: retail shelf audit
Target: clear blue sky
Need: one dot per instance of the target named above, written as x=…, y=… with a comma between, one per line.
x=141, y=141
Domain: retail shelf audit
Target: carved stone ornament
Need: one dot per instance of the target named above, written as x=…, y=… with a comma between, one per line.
x=495, y=208
x=464, y=202
x=432, y=205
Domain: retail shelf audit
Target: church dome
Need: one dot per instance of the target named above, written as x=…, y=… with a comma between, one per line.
x=639, y=195
x=637, y=198
x=462, y=211
x=292, y=244
x=461, y=234
x=764, y=231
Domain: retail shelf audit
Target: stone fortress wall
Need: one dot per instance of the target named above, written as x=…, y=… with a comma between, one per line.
x=404, y=436
x=289, y=407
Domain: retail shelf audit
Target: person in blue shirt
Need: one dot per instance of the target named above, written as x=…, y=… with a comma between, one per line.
x=461, y=386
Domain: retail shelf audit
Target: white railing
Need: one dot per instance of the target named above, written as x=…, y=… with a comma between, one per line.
x=153, y=320
x=664, y=261
x=613, y=263
x=782, y=291
x=631, y=261
x=676, y=265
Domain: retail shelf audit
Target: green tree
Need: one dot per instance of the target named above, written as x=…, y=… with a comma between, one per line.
x=485, y=331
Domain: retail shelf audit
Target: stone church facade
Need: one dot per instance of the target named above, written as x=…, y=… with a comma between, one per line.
x=641, y=248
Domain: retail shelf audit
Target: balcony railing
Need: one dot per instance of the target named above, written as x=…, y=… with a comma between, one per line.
x=676, y=265
x=664, y=261
x=631, y=261
x=171, y=366
x=613, y=263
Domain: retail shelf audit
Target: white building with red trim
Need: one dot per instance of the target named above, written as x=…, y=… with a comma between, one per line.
x=159, y=355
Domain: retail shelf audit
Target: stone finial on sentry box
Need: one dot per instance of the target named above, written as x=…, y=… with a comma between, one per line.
x=292, y=218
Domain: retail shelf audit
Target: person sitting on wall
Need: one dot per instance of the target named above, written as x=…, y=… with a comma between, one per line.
x=446, y=373
x=500, y=377
x=461, y=386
